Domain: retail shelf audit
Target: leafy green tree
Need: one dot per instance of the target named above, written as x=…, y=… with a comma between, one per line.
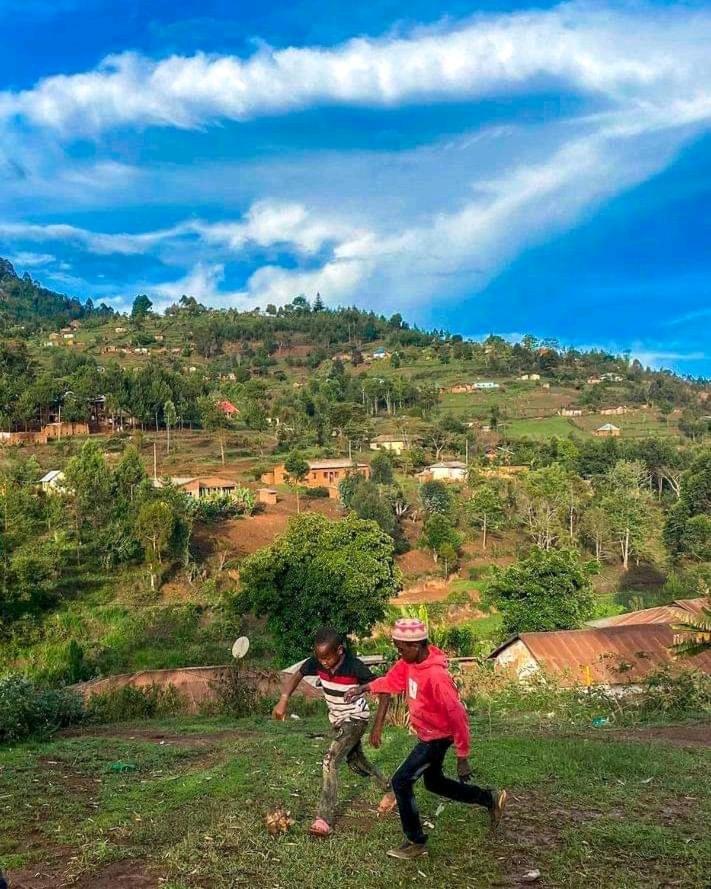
x=435, y=497
x=441, y=537
x=681, y=532
x=88, y=478
x=542, y=499
x=634, y=518
x=155, y=525
x=320, y=572
x=485, y=510
x=142, y=305
x=597, y=530
x=170, y=418
x=213, y=419
x=548, y=590
x=297, y=468
x=381, y=469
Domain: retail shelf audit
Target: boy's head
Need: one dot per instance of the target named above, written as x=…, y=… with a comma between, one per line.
x=410, y=638
x=328, y=647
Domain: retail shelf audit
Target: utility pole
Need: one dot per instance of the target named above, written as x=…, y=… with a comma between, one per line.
x=155, y=461
x=466, y=451
x=350, y=451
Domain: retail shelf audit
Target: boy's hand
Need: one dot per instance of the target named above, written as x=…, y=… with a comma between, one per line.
x=279, y=711
x=376, y=736
x=353, y=693
x=464, y=770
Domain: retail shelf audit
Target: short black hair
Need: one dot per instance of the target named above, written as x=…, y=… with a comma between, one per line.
x=328, y=636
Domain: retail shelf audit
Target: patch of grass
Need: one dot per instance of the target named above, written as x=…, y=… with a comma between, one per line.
x=541, y=429
x=192, y=810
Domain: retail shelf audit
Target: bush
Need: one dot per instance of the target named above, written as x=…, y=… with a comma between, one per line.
x=238, y=698
x=316, y=493
x=27, y=709
x=128, y=703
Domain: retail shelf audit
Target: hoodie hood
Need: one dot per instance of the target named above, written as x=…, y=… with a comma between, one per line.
x=435, y=658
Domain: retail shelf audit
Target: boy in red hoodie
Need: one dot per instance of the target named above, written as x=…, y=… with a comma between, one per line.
x=439, y=719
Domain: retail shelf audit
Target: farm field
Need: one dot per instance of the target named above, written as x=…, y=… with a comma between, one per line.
x=181, y=803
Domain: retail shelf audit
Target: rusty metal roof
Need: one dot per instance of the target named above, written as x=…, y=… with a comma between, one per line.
x=679, y=611
x=610, y=655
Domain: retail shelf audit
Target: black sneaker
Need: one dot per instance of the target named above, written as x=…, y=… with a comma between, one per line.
x=408, y=851
x=498, y=804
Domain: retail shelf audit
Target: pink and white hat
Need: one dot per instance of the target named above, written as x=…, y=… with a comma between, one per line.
x=409, y=629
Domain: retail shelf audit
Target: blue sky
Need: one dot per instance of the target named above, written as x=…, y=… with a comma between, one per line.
x=487, y=167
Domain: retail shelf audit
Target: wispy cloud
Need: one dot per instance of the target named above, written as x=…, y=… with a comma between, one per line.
x=639, y=54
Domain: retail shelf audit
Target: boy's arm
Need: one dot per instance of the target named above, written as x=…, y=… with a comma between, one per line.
x=392, y=683
x=376, y=732
x=279, y=711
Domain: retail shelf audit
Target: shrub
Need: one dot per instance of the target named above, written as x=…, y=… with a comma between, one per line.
x=316, y=493
x=128, y=703
x=28, y=709
x=236, y=697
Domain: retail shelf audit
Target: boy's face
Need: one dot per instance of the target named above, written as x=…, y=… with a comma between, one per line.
x=410, y=652
x=329, y=656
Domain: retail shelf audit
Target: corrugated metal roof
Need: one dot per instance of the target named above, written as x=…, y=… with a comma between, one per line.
x=336, y=463
x=612, y=655
x=681, y=610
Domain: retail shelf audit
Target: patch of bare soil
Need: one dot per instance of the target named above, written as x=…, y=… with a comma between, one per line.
x=693, y=735
x=136, y=733
x=121, y=873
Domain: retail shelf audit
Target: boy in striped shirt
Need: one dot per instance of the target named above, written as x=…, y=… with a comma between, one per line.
x=339, y=671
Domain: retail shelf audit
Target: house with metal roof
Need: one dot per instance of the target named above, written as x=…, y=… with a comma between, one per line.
x=676, y=612
x=614, y=657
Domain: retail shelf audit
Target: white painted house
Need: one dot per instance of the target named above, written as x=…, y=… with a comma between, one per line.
x=448, y=471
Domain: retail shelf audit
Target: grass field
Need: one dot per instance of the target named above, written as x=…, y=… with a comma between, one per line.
x=182, y=804
x=542, y=429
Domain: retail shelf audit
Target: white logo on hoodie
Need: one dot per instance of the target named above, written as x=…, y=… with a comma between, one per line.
x=412, y=687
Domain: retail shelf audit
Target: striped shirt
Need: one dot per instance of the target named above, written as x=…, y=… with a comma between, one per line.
x=348, y=674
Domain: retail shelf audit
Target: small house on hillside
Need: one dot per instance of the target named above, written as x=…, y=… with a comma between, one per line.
x=612, y=378
x=570, y=412
x=327, y=473
x=485, y=385
x=530, y=377
x=227, y=408
x=446, y=471
x=379, y=354
x=620, y=409
x=593, y=381
x=394, y=444
x=207, y=486
x=679, y=611
x=614, y=657
x=52, y=481
x=607, y=430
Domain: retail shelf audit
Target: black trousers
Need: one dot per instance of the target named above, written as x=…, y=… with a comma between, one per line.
x=426, y=761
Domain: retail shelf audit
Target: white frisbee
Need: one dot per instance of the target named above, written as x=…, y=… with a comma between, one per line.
x=240, y=648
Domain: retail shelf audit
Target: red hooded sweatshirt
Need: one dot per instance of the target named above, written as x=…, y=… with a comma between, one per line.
x=432, y=699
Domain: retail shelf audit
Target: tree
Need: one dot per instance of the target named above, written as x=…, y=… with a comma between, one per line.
x=686, y=518
x=542, y=500
x=631, y=509
x=596, y=530
x=141, y=307
x=88, y=477
x=320, y=572
x=548, y=590
x=170, y=418
x=297, y=468
x=441, y=538
x=214, y=419
x=435, y=497
x=155, y=525
x=381, y=469
x=485, y=510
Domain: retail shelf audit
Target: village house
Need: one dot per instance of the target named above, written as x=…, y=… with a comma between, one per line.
x=200, y=487
x=75, y=325
x=327, y=473
x=679, y=611
x=379, y=354
x=68, y=336
x=607, y=430
x=52, y=481
x=485, y=385
x=394, y=444
x=593, y=381
x=614, y=657
x=227, y=408
x=612, y=378
x=530, y=377
x=445, y=471
x=621, y=409
x=267, y=496
x=119, y=330
x=570, y=412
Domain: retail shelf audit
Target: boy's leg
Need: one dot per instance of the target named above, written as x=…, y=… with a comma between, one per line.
x=359, y=763
x=436, y=781
x=345, y=736
x=403, y=783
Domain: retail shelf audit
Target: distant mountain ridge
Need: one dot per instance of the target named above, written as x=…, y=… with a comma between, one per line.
x=24, y=302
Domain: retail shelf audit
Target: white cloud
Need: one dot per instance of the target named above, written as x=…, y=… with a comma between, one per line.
x=26, y=259
x=642, y=54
